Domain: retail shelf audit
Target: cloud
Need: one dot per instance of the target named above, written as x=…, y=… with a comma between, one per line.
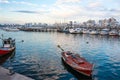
x=114, y=10
x=31, y=12
x=110, y=10
x=65, y=8
x=17, y=2
x=95, y=4
x=4, y=1
x=67, y=1
x=26, y=11
x=24, y=3
x=63, y=12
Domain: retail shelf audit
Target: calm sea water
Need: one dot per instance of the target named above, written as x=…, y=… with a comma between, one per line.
x=39, y=58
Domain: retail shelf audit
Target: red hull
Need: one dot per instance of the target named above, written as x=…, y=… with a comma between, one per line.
x=78, y=63
x=4, y=51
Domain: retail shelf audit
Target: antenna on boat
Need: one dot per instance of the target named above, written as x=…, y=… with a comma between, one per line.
x=60, y=47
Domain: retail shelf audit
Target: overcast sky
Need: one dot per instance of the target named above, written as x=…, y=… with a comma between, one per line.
x=51, y=11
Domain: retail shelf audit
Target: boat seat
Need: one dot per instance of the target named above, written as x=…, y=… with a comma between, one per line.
x=80, y=61
x=7, y=45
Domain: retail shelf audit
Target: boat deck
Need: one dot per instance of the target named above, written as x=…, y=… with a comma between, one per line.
x=4, y=48
x=4, y=75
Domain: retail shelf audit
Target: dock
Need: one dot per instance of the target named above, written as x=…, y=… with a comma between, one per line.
x=38, y=29
x=5, y=75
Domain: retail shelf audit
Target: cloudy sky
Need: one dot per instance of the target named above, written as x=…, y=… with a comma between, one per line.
x=51, y=11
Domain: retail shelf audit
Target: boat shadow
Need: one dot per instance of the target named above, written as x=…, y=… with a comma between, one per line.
x=75, y=73
x=4, y=58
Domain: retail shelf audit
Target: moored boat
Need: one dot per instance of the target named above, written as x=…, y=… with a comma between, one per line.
x=85, y=31
x=75, y=30
x=119, y=32
x=104, y=32
x=11, y=29
x=94, y=32
x=78, y=63
x=113, y=33
x=66, y=30
x=8, y=46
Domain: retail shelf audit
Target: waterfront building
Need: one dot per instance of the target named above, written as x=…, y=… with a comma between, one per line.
x=90, y=23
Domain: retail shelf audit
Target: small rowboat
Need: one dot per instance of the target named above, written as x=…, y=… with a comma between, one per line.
x=8, y=46
x=77, y=63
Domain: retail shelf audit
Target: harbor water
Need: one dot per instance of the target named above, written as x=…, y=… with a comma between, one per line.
x=39, y=58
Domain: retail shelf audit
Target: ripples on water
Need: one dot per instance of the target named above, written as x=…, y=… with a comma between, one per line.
x=38, y=56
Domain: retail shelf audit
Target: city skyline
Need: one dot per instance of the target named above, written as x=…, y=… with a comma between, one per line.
x=51, y=11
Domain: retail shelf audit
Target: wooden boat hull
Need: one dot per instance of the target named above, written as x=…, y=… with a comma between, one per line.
x=4, y=51
x=77, y=74
x=80, y=69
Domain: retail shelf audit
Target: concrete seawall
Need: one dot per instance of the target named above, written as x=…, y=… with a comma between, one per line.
x=4, y=75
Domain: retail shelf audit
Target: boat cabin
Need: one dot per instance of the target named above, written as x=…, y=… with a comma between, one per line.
x=8, y=43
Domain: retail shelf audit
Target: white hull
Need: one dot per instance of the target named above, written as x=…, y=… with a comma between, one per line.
x=75, y=30
x=119, y=34
x=113, y=33
x=93, y=32
x=85, y=31
x=13, y=30
x=104, y=32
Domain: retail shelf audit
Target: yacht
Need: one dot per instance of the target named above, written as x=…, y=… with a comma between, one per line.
x=93, y=32
x=85, y=31
x=75, y=30
x=119, y=32
x=113, y=33
x=66, y=30
x=104, y=32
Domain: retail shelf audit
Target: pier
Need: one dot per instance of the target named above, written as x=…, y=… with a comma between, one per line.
x=5, y=75
x=39, y=29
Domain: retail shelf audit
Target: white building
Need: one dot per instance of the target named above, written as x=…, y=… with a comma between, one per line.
x=90, y=23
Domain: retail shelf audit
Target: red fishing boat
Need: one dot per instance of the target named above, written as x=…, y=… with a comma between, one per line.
x=77, y=63
x=8, y=46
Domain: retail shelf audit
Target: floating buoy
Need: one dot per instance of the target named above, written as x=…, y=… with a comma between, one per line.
x=87, y=42
x=22, y=41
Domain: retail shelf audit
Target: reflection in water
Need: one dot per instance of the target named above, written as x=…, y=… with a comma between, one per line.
x=6, y=57
x=38, y=57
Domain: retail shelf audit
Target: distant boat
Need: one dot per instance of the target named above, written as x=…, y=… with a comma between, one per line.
x=113, y=33
x=66, y=30
x=11, y=29
x=8, y=46
x=119, y=32
x=104, y=32
x=93, y=32
x=85, y=31
x=75, y=30
x=78, y=63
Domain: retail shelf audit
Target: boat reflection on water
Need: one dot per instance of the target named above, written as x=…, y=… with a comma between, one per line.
x=75, y=73
x=4, y=58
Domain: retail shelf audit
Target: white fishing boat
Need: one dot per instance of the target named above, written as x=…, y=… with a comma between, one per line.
x=104, y=32
x=11, y=29
x=75, y=30
x=94, y=32
x=85, y=31
x=119, y=32
x=113, y=33
x=66, y=30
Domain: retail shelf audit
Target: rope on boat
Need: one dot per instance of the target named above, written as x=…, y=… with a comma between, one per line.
x=60, y=47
